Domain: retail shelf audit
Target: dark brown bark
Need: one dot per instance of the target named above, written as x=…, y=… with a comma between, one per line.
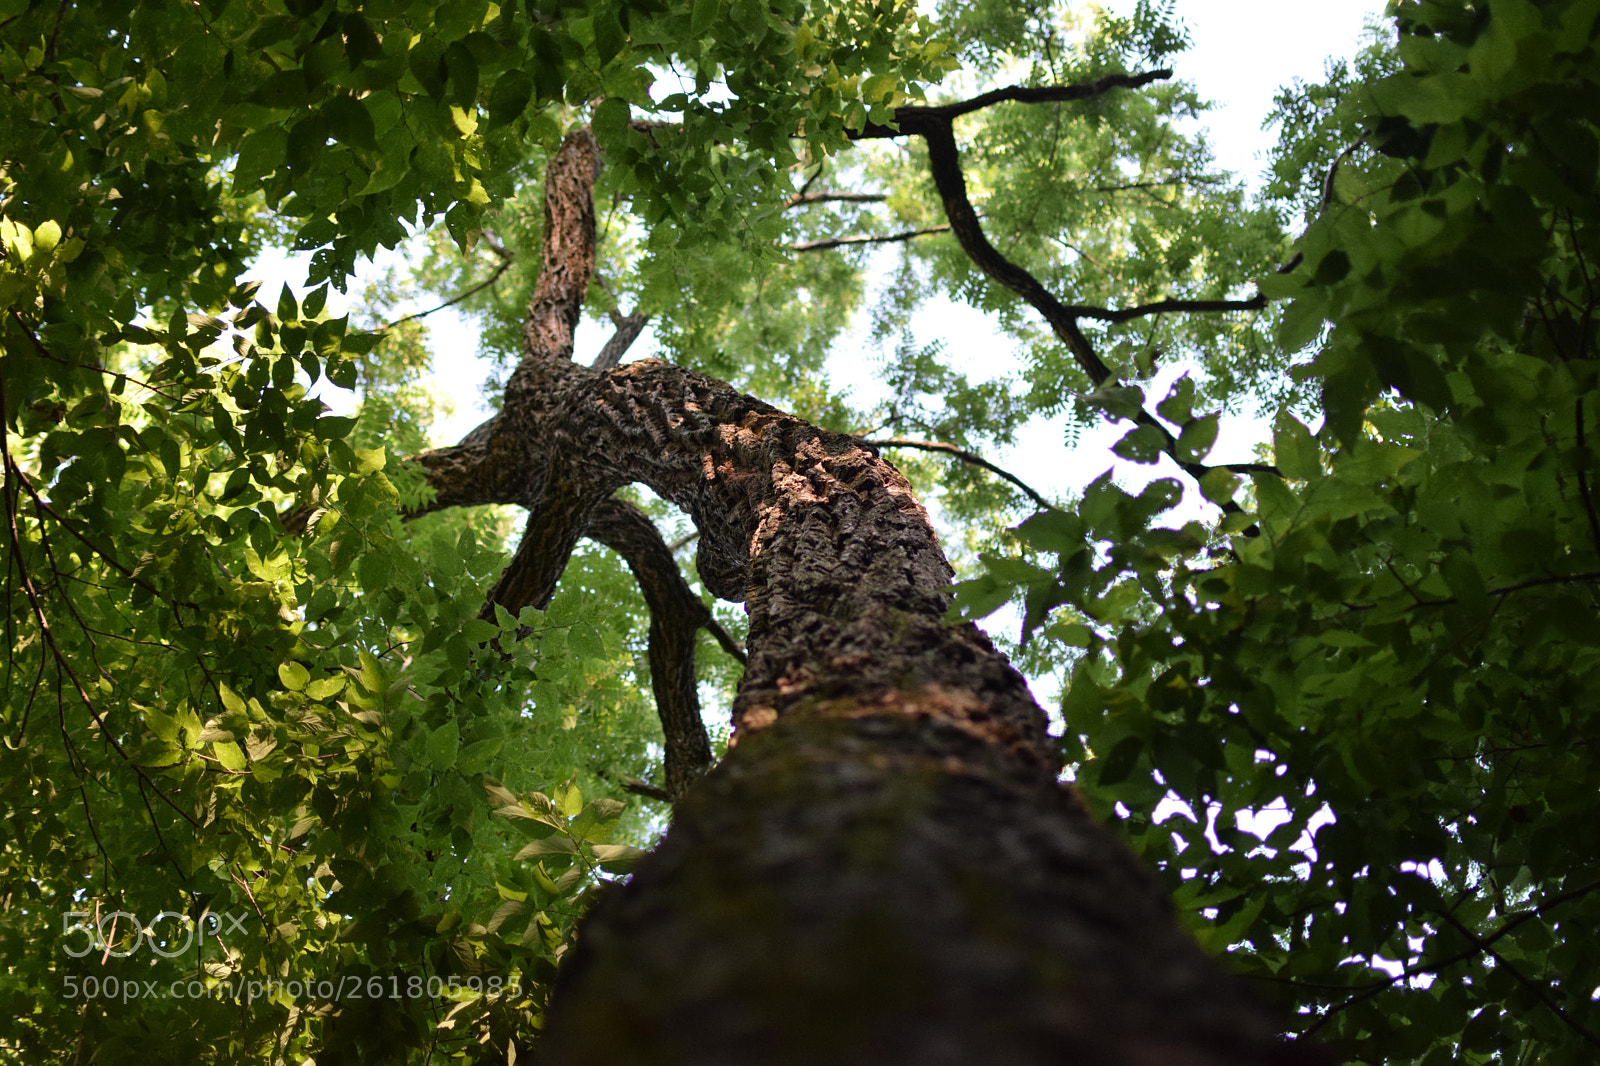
x=885, y=867
x=676, y=615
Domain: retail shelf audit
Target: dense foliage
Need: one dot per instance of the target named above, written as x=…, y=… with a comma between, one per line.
x=1393, y=651
x=260, y=745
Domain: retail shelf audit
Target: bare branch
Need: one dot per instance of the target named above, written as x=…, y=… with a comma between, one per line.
x=802, y=199
x=966, y=457
x=644, y=788
x=505, y=264
x=675, y=614
x=840, y=242
x=1106, y=314
x=936, y=126
x=628, y=329
x=1042, y=94
x=568, y=259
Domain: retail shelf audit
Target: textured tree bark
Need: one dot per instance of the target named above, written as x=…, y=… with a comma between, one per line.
x=884, y=868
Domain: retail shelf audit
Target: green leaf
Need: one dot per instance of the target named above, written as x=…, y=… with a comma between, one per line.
x=293, y=675
x=1123, y=401
x=980, y=597
x=1219, y=485
x=229, y=755
x=371, y=675
x=325, y=688
x=462, y=69
x=1294, y=451
x=703, y=17
x=348, y=121
x=556, y=844
x=585, y=641
x=608, y=34
x=618, y=858
x=443, y=745
x=230, y=700
x=1119, y=763
x=476, y=757
x=1072, y=635
x=1054, y=531
x=479, y=631
x=163, y=726
x=46, y=235
x=1177, y=407
x=611, y=119
x=1466, y=584
x=509, y=97
x=1195, y=442
x=288, y=308
x=1142, y=444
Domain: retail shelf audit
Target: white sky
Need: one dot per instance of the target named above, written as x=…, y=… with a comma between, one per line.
x=1242, y=52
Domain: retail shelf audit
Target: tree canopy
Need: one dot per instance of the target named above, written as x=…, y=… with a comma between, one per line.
x=285, y=739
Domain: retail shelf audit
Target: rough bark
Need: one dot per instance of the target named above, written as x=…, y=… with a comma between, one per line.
x=676, y=615
x=884, y=868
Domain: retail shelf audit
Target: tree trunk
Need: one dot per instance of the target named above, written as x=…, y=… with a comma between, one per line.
x=884, y=868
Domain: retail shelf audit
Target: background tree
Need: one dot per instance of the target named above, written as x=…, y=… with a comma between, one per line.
x=1393, y=663
x=239, y=681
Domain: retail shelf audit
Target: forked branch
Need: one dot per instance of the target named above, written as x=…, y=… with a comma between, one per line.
x=935, y=125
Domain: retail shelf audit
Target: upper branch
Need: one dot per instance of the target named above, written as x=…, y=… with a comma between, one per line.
x=936, y=125
x=802, y=198
x=628, y=329
x=887, y=238
x=1041, y=94
x=568, y=258
x=1106, y=314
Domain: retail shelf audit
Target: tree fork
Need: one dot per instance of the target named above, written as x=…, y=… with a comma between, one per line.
x=885, y=867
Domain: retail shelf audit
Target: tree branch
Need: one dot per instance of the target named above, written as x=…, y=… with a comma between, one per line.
x=1042, y=94
x=1477, y=946
x=568, y=254
x=505, y=264
x=936, y=127
x=964, y=456
x=802, y=199
x=1106, y=314
x=628, y=329
x=840, y=242
x=508, y=459
x=644, y=788
x=676, y=613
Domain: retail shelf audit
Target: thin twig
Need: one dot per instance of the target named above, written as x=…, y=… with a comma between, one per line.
x=1539, y=993
x=840, y=242
x=644, y=788
x=802, y=199
x=1106, y=314
x=966, y=457
x=505, y=264
x=1479, y=944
